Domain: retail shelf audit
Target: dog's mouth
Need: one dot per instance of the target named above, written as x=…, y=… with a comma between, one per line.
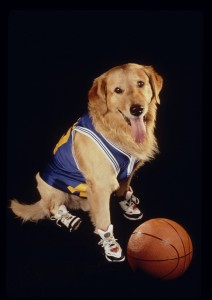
x=138, y=126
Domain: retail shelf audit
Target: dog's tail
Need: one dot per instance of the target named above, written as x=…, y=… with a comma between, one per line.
x=29, y=212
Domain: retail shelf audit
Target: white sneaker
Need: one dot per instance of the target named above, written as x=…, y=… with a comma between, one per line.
x=66, y=218
x=129, y=207
x=112, y=249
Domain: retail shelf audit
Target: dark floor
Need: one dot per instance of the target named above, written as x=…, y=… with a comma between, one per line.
x=46, y=261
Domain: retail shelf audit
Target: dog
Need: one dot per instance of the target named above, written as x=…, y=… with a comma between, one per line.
x=99, y=154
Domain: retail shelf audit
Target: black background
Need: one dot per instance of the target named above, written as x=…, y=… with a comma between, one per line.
x=53, y=57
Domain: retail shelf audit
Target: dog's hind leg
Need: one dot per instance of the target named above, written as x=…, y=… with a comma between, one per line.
x=49, y=203
x=52, y=198
x=52, y=205
x=35, y=211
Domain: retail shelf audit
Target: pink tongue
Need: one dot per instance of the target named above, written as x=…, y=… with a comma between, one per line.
x=138, y=129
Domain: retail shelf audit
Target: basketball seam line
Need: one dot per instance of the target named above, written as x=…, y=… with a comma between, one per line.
x=159, y=260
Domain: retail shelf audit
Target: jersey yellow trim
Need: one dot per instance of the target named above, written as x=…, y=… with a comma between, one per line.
x=64, y=138
x=80, y=188
x=62, y=141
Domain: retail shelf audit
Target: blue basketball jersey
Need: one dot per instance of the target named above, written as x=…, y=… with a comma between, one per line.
x=63, y=172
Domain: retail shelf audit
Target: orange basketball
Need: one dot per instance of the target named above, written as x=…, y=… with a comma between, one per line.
x=160, y=247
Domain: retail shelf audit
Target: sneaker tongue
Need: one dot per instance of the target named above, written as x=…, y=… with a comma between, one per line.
x=138, y=129
x=106, y=234
x=128, y=195
x=62, y=210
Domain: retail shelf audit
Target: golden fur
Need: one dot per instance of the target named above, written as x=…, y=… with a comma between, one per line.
x=107, y=109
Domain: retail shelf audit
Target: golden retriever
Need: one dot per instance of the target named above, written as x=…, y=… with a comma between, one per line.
x=122, y=109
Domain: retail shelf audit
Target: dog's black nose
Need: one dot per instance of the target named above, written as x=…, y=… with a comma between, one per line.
x=136, y=110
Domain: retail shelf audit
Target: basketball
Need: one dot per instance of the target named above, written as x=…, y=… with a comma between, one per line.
x=160, y=247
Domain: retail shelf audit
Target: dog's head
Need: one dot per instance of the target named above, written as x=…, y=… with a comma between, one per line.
x=129, y=93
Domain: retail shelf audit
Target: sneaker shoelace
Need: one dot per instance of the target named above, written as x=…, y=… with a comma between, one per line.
x=64, y=218
x=132, y=201
x=110, y=242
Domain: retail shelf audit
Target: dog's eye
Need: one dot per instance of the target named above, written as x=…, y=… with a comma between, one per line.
x=140, y=83
x=118, y=90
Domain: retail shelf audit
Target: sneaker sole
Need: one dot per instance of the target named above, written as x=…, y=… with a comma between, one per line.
x=76, y=225
x=133, y=218
x=115, y=260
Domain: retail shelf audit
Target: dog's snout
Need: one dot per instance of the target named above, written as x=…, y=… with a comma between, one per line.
x=136, y=110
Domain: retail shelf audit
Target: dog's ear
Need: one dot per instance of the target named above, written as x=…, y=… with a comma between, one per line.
x=155, y=80
x=97, y=95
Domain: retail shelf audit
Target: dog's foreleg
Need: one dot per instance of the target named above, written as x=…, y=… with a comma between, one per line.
x=124, y=185
x=100, y=178
x=99, y=200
